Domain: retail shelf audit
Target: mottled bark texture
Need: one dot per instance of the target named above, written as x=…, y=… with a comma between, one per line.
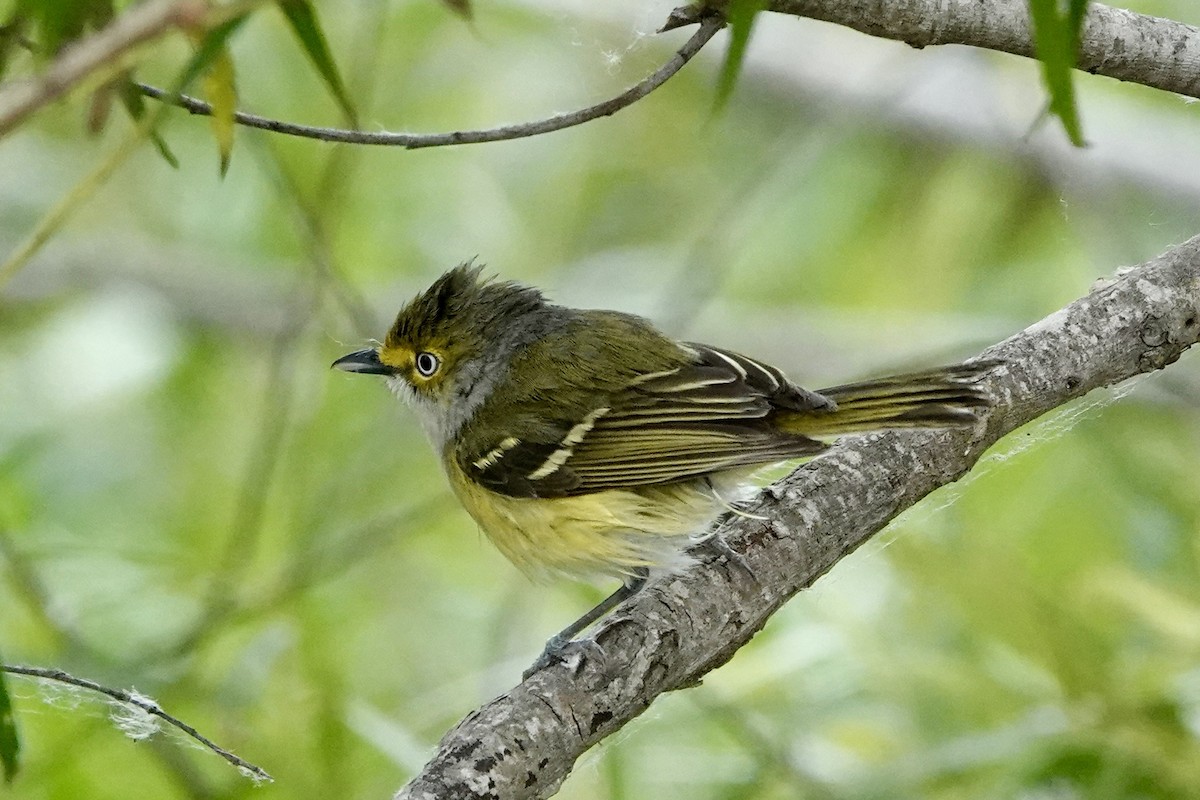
x=1156, y=52
x=524, y=743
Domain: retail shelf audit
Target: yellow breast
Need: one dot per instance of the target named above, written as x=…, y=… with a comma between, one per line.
x=608, y=533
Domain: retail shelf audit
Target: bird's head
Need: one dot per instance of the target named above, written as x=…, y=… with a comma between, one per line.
x=451, y=344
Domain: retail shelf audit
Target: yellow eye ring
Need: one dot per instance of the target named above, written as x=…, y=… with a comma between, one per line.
x=427, y=364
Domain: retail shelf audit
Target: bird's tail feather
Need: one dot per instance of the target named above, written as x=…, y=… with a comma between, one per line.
x=942, y=397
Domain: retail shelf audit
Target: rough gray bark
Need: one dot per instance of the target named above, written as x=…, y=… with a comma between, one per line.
x=525, y=742
x=1153, y=51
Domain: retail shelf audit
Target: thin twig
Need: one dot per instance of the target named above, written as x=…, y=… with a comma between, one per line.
x=411, y=141
x=145, y=704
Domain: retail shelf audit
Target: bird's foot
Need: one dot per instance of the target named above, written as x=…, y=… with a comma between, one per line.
x=561, y=649
x=720, y=549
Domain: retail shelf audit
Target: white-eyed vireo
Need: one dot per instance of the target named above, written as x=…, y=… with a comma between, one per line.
x=587, y=443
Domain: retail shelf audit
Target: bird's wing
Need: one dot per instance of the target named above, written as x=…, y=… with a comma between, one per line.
x=709, y=415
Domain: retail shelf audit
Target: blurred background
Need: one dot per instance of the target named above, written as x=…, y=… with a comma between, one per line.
x=193, y=504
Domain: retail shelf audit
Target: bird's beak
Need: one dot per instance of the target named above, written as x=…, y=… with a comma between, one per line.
x=363, y=361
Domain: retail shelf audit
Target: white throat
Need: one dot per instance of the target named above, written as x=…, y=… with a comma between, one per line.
x=428, y=414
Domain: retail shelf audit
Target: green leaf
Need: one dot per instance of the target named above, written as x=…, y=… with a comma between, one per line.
x=62, y=21
x=209, y=49
x=135, y=105
x=741, y=16
x=57, y=22
x=303, y=19
x=10, y=745
x=1057, y=25
x=210, y=54
x=221, y=91
x=164, y=149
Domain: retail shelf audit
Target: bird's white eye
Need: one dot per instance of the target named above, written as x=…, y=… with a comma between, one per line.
x=427, y=364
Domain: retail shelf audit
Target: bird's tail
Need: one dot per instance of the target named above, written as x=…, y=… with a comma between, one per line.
x=936, y=398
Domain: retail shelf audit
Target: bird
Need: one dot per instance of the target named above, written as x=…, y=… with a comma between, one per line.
x=588, y=444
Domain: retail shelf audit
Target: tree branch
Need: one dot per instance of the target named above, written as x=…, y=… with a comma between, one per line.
x=146, y=706
x=524, y=743
x=709, y=25
x=1153, y=51
x=19, y=99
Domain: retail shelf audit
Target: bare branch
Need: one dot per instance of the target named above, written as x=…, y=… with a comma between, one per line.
x=1156, y=52
x=709, y=25
x=525, y=742
x=19, y=99
x=146, y=705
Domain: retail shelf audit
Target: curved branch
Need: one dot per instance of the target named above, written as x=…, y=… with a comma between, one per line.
x=524, y=743
x=709, y=25
x=147, y=706
x=1153, y=51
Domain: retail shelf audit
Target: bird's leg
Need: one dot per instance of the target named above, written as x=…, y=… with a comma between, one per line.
x=627, y=590
x=560, y=642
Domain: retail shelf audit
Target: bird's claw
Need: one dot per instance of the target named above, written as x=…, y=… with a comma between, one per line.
x=564, y=650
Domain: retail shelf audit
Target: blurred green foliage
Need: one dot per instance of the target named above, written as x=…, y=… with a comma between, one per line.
x=193, y=505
